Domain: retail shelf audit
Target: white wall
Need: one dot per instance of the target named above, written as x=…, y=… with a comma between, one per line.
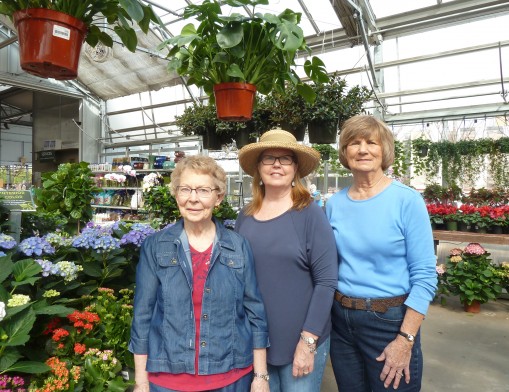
x=15, y=142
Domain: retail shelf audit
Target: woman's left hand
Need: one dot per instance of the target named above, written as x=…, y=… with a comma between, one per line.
x=397, y=356
x=259, y=385
x=303, y=360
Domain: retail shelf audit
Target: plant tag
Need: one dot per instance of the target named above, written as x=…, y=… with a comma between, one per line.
x=61, y=32
x=125, y=375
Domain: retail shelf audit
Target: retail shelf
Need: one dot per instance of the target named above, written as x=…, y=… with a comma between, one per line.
x=116, y=207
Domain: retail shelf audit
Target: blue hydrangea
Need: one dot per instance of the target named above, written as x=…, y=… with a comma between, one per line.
x=2, y=254
x=36, y=246
x=138, y=233
x=48, y=268
x=97, y=238
x=66, y=269
x=6, y=241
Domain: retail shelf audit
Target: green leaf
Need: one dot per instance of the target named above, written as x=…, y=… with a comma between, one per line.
x=19, y=327
x=30, y=281
x=128, y=37
x=133, y=8
x=59, y=310
x=116, y=385
x=30, y=367
x=26, y=268
x=8, y=358
x=6, y=267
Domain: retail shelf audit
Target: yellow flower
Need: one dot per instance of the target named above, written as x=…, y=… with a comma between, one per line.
x=456, y=259
x=18, y=300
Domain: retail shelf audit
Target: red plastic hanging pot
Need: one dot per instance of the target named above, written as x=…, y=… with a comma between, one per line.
x=234, y=101
x=49, y=42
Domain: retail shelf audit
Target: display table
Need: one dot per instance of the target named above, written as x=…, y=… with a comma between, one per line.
x=465, y=236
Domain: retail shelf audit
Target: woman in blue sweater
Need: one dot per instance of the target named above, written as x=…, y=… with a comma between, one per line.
x=387, y=263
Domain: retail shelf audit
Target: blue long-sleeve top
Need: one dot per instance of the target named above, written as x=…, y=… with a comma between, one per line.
x=385, y=245
x=296, y=267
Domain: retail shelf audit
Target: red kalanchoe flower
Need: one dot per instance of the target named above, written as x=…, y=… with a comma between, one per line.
x=79, y=348
x=59, y=333
x=52, y=325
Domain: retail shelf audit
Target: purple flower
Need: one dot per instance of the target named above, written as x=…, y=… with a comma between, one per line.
x=138, y=233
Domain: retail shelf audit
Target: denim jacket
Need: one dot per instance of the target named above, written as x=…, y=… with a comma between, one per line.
x=233, y=320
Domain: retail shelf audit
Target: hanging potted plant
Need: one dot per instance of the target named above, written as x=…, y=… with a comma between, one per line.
x=333, y=105
x=200, y=120
x=51, y=32
x=289, y=111
x=231, y=57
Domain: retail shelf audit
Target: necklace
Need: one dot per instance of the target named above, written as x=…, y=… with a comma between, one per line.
x=376, y=183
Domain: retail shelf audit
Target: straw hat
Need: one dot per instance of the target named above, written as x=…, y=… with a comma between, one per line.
x=307, y=157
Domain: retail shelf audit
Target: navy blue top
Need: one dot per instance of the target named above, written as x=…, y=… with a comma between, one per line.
x=296, y=267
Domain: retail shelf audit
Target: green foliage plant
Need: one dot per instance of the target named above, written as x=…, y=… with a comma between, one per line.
x=102, y=17
x=68, y=191
x=335, y=103
x=259, y=49
x=471, y=275
x=330, y=154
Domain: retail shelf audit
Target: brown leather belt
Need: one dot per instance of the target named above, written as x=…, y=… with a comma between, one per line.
x=375, y=304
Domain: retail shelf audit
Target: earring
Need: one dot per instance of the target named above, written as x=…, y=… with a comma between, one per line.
x=261, y=182
x=293, y=184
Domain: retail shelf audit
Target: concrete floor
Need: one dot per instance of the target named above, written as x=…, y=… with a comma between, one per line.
x=462, y=351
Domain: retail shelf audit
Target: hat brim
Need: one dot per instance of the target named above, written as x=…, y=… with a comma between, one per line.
x=308, y=158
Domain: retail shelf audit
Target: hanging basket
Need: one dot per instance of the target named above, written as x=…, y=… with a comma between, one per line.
x=322, y=133
x=49, y=42
x=298, y=131
x=234, y=101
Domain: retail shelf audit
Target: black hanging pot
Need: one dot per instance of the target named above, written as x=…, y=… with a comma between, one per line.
x=322, y=132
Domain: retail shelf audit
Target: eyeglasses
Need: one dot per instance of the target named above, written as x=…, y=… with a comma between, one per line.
x=203, y=192
x=284, y=160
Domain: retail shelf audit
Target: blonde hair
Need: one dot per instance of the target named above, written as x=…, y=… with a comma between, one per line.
x=203, y=165
x=366, y=127
x=300, y=195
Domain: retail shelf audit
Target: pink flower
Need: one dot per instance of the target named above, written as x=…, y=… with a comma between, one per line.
x=455, y=252
x=474, y=249
x=440, y=269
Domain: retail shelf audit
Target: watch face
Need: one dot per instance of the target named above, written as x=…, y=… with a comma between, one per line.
x=411, y=338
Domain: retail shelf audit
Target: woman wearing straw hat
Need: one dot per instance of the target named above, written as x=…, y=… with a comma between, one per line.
x=295, y=259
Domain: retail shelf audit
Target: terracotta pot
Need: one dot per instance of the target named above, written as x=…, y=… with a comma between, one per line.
x=319, y=133
x=474, y=307
x=49, y=42
x=234, y=101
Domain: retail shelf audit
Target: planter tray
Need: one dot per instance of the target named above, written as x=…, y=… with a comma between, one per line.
x=461, y=236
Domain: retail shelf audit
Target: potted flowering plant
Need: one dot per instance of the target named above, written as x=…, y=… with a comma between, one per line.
x=243, y=54
x=63, y=25
x=472, y=276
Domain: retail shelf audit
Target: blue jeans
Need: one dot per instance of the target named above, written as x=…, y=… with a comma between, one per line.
x=282, y=380
x=358, y=337
x=241, y=385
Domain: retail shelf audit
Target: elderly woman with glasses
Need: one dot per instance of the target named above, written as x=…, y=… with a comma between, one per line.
x=295, y=259
x=199, y=321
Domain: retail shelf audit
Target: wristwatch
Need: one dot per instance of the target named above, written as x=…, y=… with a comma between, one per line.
x=407, y=336
x=263, y=376
x=308, y=339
